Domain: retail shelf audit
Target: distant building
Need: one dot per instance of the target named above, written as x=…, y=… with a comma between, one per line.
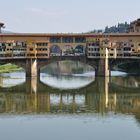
x=135, y=26
x=97, y=31
x=1, y=26
x=120, y=28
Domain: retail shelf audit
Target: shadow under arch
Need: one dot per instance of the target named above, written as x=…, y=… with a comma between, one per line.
x=56, y=59
x=116, y=62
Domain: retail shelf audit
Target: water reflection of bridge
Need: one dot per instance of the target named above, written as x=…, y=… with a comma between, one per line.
x=129, y=84
x=100, y=96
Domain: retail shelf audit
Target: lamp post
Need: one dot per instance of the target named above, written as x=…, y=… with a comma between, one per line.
x=1, y=26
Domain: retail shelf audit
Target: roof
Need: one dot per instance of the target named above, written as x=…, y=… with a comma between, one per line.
x=69, y=34
x=135, y=21
x=1, y=23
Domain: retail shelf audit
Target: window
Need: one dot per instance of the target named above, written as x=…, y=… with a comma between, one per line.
x=55, y=39
x=88, y=54
x=42, y=44
x=80, y=39
x=119, y=54
x=111, y=54
x=41, y=54
x=9, y=44
x=97, y=54
x=18, y=55
x=126, y=54
x=3, y=44
x=67, y=39
x=127, y=49
x=119, y=49
x=30, y=54
x=41, y=49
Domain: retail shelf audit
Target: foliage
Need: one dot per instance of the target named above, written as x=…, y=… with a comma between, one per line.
x=9, y=68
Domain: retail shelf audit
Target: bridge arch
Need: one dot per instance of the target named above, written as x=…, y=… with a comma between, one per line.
x=79, y=50
x=68, y=50
x=41, y=63
x=55, y=50
x=118, y=62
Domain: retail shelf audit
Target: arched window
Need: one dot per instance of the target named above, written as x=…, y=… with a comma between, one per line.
x=80, y=50
x=55, y=50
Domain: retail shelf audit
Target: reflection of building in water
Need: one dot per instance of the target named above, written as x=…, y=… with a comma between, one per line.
x=99, y=97
x=67, y=67
x=37, y=97
x=1, y=81
x=69, y=103
x=128, y=82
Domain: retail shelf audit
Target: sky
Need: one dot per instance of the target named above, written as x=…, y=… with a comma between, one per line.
x=67, y=16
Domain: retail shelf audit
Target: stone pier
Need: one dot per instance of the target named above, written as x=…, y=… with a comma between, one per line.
x=31, y=85
x=102, y=68
x=31, y=68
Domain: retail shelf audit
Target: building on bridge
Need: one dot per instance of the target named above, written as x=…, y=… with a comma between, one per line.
x=135, y=26
x=32, y=51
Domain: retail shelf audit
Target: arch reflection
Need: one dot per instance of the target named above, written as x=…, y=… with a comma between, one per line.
x=101, y=96
x=12, y=79
x=66, y=82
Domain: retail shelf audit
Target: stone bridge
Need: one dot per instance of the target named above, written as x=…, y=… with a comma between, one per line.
x=102, y=66
x=101, y=51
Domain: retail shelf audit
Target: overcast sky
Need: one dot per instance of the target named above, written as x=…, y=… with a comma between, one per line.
x=66, y=15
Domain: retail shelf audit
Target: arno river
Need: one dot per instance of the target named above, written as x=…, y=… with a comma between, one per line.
x=68, y=103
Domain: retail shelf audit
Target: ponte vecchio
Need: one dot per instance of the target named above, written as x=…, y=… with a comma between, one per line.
x=102, y=51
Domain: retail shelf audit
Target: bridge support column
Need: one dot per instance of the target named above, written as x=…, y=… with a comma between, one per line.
x=102, y=68
x=103, y=87
x=31, y=85
x=31, y=68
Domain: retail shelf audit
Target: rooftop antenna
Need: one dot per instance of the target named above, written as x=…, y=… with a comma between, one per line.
x=1, y=26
